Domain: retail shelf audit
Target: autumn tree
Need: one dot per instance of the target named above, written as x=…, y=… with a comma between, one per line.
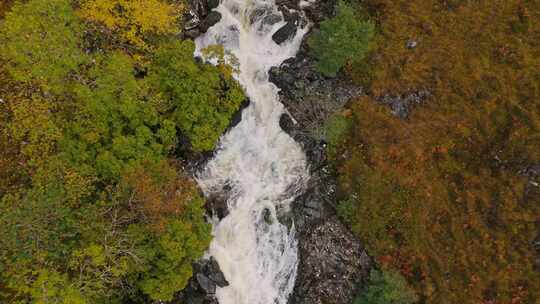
x=50, y=49
x=134, y=21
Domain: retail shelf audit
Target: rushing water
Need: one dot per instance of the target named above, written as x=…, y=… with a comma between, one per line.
x=261, y=165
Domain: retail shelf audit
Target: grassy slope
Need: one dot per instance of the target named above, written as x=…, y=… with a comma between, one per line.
x=439, y=196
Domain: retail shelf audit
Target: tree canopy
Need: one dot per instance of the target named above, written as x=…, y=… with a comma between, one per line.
x=94, y=207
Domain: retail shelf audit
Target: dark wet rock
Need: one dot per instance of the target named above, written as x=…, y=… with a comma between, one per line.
x=287, y=123
x=320, y=10
x=212, y=4
x=333, y=265
x=291, y=4
x=214, y=273
x=201, y=288
x=205, y=283
x=199, y=17
x=237, y=116
x=309, y=97
x=285, y=33
x=191, y=20
x=210, y=20
x=201, y=8
x=191, y=161
x=216, y=205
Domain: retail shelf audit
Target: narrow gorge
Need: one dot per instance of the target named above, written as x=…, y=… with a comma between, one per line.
x=267, y=170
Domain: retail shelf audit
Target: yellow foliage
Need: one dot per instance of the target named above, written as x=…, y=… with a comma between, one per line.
x=36, y=144
x=133, y=19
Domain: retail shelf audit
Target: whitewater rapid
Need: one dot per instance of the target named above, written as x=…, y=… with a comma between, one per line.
x=262, y=166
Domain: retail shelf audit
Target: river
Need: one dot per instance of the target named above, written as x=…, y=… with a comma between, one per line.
x=262, y=166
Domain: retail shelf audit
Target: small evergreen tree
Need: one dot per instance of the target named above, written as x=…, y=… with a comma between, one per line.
x=340, y=39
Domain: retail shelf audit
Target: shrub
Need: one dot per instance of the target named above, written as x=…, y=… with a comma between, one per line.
x=340, y=39
x=387, y=287
x=335, y=128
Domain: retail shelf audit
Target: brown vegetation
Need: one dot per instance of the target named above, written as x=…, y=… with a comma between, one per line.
x=440, y=195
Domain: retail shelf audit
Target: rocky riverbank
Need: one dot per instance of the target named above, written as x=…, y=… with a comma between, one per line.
x=333, y=263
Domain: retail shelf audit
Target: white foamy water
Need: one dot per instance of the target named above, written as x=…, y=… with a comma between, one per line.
x=259, y=162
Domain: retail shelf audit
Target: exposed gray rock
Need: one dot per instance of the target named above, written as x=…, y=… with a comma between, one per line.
x=310, y=97
x=402, y=105
x=332, y=265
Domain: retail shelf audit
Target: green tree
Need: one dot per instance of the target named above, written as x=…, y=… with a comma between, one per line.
x=199, y=98
x=387, y=287
x=341, y=38
x=167, y=258
x=40, y=40
x=114, y=126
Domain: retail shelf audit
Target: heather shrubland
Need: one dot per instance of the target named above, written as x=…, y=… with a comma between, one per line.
x=445, y=195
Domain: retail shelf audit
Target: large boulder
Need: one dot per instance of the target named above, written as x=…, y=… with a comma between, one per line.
x=210, y=20
x=286, y=32
x=199, y=17
x=201, y=288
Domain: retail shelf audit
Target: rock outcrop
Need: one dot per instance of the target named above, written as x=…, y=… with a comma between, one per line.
x=201, y=288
